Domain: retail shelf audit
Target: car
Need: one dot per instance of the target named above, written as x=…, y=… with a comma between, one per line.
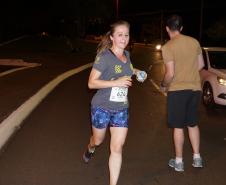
x=213, y=76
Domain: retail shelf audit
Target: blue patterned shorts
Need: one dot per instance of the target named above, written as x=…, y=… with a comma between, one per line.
x=102, y=118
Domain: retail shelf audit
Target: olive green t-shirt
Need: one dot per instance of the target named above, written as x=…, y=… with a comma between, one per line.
x=183, y=51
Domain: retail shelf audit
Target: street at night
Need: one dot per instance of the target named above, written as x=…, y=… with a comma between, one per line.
x=112, y=92
x=47, y=147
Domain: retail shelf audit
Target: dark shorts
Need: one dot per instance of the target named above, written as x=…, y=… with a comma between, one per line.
x=102, y=118
x=183, y=108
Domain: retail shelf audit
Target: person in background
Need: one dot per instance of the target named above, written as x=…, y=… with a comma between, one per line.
x=183, y=59
x=111, y=75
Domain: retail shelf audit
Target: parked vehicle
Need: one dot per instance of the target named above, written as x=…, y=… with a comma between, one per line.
x=213, y=76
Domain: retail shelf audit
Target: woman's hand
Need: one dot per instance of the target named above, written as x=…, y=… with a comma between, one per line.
x=124, y=81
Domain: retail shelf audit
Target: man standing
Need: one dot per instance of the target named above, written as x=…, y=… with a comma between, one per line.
x=183, y=59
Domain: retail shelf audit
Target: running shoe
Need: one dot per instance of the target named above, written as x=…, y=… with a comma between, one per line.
x=179, y=167
x=197, y=163
x=87, y=155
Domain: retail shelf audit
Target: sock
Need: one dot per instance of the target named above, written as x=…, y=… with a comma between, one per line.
x=195, y=156
x=179, y=160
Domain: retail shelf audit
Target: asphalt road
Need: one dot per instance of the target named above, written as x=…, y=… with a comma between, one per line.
x=47, y=149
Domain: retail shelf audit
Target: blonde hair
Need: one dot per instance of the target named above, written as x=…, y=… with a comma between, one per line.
x=106, y=41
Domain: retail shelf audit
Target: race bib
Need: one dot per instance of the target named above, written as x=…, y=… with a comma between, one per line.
x=119, y=94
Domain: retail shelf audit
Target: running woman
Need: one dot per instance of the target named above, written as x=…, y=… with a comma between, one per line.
x=111, y=75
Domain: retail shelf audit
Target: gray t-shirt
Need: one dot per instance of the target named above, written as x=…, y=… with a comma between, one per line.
x=111, y=68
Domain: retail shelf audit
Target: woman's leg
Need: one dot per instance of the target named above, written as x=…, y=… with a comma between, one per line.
x=95, y=140
x=97, y=137
x=100, y=120
x=118, y=136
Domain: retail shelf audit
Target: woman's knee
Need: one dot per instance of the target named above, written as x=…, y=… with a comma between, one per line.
x=116, y=148
x=97, y=141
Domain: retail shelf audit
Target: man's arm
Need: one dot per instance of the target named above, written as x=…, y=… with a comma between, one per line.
x=200, y=62
x=169, y=74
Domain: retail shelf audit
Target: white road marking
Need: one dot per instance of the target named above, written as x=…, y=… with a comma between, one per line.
x=15, y=62
x=16, y=69
x=157, y=87
x=15, y=119
x=13, y=40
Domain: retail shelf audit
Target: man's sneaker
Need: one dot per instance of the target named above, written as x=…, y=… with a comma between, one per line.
x=179, y=167
x=87, y=155
x=197, y=163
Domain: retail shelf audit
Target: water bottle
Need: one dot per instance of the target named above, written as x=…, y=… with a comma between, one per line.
x=141, y=76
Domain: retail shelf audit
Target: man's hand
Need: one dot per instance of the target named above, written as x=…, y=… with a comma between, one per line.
x=163, y=88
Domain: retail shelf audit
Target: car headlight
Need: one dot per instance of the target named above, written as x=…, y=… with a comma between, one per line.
x=221, y=81
x=158, y=47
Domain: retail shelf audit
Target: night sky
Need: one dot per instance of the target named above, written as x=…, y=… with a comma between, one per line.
x=211, y=8
x=145, y=6
x=25, y=12
x=125, y=6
